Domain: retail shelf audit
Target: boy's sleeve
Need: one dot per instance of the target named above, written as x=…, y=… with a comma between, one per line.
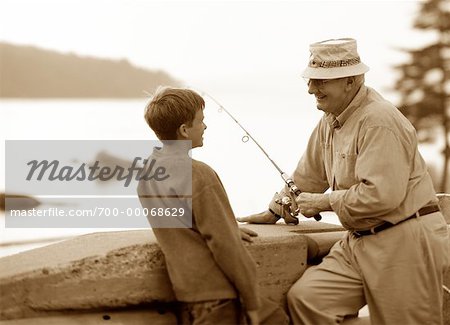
x=215, y=221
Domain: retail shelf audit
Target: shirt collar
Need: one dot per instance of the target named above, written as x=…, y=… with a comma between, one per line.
x=332, y=121
x=173, y=148
x=338, y=122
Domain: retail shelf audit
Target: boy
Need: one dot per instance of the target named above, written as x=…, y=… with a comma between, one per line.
x=212, y=274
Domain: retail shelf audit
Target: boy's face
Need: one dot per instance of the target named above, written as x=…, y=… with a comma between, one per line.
x=195, y=132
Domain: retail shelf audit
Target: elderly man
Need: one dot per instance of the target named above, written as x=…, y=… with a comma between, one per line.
x=365, y=151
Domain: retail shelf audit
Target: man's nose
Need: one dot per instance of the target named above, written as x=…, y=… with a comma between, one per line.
x=312, y=87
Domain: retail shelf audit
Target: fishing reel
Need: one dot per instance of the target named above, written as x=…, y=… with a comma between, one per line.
x=294, y=191
x=284, y=206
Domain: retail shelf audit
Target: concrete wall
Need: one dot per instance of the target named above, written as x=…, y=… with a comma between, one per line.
x=125, y=269
x=122, y=274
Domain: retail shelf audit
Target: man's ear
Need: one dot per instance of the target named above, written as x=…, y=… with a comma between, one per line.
x=182, y=131
x=350, y=82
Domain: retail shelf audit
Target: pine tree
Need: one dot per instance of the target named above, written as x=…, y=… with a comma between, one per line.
x=424, y=82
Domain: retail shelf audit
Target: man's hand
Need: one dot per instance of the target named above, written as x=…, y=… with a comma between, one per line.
x=252, y=317
x=247, y=234
x=311, y=204
x=263, y=217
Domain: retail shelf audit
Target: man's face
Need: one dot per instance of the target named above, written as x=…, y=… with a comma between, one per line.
x=331, y=94
x=197, y=129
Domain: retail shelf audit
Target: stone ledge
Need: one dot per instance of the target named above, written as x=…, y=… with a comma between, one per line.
x=126, y=269
x=142, y=317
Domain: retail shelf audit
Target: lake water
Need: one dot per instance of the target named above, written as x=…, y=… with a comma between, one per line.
x=280, y=122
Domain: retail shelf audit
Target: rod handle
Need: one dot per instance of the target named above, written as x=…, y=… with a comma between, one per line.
x=297, y=192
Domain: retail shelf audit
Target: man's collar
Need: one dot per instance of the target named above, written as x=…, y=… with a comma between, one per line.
x=338, y=122
x=332, y=121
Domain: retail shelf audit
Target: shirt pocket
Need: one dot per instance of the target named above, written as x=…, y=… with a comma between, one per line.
x=344, y=172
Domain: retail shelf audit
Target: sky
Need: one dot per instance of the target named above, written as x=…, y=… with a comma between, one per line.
x=237, y=45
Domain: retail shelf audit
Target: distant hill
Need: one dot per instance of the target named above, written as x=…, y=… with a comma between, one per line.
x=30, y=72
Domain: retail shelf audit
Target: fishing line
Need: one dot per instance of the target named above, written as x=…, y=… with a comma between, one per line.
x=289, y=182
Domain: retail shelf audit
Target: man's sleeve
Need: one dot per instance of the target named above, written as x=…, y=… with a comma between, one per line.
x=382, y=170
x=310, y=174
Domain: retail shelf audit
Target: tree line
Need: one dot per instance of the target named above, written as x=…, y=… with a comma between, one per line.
x=30, y=72
x=424, y=83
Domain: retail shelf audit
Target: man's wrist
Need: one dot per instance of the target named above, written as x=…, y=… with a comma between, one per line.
x=274, y=214
x=325, y=204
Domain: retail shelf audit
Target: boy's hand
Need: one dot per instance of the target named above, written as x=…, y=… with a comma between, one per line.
x=252, y=317
x=247, y=234
x=263, y=217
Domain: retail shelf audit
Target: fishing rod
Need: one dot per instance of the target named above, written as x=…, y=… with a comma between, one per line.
x=288, y=181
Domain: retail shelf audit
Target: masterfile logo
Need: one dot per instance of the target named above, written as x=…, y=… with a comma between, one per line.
x=52, y=171
x=85, y=167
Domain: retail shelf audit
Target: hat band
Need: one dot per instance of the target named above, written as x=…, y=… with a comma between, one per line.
x=334, y=64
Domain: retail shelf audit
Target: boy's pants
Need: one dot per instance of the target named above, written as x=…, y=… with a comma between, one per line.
x=224, y=311
x=229, y=312
x=398, y=272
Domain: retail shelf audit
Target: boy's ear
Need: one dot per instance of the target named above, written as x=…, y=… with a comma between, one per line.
x=182, y=131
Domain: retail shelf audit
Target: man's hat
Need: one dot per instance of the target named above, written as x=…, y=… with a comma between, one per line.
x=334, y=58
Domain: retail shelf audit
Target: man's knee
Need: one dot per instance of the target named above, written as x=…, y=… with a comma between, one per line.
x=292, y=296
x=301, y=294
